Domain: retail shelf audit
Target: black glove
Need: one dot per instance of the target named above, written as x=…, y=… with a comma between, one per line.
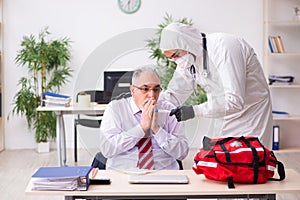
x=183, y=113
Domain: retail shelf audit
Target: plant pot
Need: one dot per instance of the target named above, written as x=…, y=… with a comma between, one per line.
x=43, y=147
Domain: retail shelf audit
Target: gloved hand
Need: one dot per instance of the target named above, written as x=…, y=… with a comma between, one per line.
x=183, y=113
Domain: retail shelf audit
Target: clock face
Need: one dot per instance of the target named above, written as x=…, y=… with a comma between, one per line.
x=129, y=6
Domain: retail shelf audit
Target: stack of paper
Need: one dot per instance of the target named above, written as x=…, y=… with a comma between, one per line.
x=61, y=178
x=53, y=100
x=283, y=80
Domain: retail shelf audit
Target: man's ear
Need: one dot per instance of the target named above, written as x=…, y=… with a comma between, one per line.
x=131, y=89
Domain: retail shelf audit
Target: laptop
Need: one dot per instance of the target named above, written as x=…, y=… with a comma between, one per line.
x=159, y=179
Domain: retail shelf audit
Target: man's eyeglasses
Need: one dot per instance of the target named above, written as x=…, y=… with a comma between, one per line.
x=145, y=90
x=175, y=54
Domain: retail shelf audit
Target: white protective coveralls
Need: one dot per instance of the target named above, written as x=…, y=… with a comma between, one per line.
x=236, y=87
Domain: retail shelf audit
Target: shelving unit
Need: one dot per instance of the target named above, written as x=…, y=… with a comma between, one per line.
x=285, y=86
x=287, y=118
x=280, y=20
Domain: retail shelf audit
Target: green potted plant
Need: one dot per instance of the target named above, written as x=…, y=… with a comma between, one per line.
x=46, y=61
x=166, y=67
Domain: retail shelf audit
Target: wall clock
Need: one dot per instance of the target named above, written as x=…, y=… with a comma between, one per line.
x=129, y=6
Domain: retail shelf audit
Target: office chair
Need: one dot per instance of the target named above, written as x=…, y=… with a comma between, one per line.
x=99, y=161
x=92, y=122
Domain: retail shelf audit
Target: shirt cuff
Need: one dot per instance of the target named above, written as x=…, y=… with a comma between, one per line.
x=136, y=132
x=161, y=136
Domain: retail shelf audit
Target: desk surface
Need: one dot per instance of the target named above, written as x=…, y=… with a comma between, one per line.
x=198, y=185
x=74, y=108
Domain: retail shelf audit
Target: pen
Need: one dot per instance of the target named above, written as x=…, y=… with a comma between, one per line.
x=162, y=111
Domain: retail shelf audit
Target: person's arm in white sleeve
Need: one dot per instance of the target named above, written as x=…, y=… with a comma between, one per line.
x=179, y=88
x=230, y=64
x=113, y=139
x=173, y=140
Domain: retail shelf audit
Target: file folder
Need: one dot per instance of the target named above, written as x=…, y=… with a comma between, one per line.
x=276, y=137
x=61, y=178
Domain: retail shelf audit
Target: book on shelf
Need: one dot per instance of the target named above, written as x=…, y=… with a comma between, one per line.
x=282, y=49
x=61, y=178
x=280, y=114
x=271, y=45
x=276, y=41
x=276, y=44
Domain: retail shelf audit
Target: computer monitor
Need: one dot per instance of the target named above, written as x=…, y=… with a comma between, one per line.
x=117, y=82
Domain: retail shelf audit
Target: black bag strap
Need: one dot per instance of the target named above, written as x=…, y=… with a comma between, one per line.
x=207, y=144
x=280, y=170
x=230, y=182
x=255, y=161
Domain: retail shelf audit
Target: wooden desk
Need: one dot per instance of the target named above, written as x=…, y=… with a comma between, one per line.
x=60, y=127
x=198, y=187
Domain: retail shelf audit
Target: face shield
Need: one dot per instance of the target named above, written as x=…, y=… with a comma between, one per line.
x=181, y=36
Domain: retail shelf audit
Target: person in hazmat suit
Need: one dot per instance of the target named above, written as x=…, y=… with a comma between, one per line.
x=228, y=70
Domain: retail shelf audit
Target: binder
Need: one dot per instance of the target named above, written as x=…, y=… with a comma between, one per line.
x=61, y=178
x=276, y=137
x=50, y=99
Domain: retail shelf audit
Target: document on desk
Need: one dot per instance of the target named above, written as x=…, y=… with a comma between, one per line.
x=176, y=179
x=61, y=178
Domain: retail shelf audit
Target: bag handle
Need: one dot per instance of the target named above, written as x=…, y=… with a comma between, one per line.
x=207, y=140
x=207, y=144
x=281, y=172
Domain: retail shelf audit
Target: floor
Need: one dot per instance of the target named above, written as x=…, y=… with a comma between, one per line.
x=16, y=167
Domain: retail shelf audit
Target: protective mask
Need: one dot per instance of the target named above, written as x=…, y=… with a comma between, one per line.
x=185, y=61
x=187, y=64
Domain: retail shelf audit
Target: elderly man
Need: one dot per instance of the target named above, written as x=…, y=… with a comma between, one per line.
x=138, y=133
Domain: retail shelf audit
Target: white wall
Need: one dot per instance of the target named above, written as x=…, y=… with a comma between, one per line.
x=94, y=24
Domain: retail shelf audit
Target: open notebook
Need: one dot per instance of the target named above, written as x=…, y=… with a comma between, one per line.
x=176, y=179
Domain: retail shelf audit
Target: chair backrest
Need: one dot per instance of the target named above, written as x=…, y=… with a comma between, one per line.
x=99, y=161
x=121, y=96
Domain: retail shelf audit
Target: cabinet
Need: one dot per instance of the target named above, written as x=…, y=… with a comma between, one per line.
x=280, y=20
x=1, y=80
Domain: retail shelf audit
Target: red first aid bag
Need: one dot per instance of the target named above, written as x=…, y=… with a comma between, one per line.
x=237, y=160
